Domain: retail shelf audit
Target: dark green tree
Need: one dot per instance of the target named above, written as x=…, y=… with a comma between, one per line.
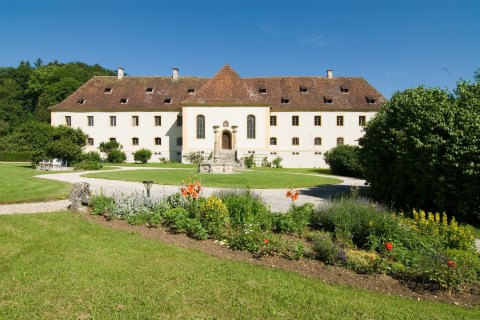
x=422, y=150
x=142, y=155
x=344, y=161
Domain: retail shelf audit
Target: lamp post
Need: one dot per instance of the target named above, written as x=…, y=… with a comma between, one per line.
x=148, y=185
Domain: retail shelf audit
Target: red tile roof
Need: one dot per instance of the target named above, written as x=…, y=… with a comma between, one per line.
x=225, y=88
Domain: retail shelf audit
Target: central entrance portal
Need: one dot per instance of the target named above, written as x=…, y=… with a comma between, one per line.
x=226, y=140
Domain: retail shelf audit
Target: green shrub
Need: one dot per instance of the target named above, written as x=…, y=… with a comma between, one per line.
x=116, y=156
x=363, y=262
x=90, y=156
x=194, y=229
x=16, y=156
x=344, y=161
x=214, y=216
x=467, y=263
x=175, y=219
x=248, y=161
x=101, y=205
x=325, y=249
x=194, y=157
x=88, y=165
x=142, y=155
x=245, y=207
x=277, y=162
x=250, y=238
x=296, y=220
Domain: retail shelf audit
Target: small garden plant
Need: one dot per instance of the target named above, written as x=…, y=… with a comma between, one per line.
x=350, y=232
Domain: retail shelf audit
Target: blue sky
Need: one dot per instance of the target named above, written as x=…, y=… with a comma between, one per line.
x=392, y=44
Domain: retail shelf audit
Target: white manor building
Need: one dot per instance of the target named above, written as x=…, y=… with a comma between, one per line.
x=295, y=118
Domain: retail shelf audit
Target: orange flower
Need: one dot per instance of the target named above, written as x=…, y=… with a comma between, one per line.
x=265, y=241
x=289, y=193
x=295, y=196
x=451, y=263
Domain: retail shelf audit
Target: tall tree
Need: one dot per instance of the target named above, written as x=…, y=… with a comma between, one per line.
x=422, y=150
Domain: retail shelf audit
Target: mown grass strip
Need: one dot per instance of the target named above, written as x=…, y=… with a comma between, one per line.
x=240, y=179
x=60, y=266
x=18, y=184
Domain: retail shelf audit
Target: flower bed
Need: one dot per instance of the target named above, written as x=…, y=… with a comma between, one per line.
x=350, y=232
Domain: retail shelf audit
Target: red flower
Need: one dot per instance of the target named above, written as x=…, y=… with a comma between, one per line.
x=265, y=241
x=388, y=246
x=451, y=263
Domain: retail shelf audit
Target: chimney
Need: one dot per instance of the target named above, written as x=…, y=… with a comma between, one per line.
x=120, y=73
x=329, y=73
x=175, y=73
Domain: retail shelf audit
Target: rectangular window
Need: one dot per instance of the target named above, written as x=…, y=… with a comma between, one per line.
x=90, y=141
x=317, y=120
x=295, y=121
x=339, y=121
x=149, y=90
x=262, y=90
x=167, y=101
x=273, y=120
x=135, y=141
x=90, y=121
x=191, y=91
x=179, y=121
x=135, y=121
x=179, y=141
x=362, y=121
x=303, y=90
x=284, y=100
x=113, y=121
x=68, y=121
x=158, y=121
x=340, y=141
x=113, y=139
x=295, y=141
x=318, y=141
x=158, y=141
x=124, y=101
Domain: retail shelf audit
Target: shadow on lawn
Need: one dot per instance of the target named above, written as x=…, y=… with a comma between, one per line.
x=330, y=191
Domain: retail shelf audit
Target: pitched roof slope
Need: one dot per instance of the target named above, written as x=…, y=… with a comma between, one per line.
x=142, y=94
x=225, y=88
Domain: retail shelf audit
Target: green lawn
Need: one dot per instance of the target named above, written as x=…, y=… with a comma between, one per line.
x=60, y=266
x=18, y=184
x=241, y=179
x=151, y=165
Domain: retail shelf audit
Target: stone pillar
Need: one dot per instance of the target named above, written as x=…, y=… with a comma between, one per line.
x=234, y=138
x=80, y=196
x=216, y=144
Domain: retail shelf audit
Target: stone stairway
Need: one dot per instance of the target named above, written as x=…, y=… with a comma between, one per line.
x=226, y=156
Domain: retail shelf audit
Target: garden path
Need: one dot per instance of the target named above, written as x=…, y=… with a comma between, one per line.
x=275, y=198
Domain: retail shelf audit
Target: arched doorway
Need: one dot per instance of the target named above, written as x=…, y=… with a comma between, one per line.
x=226, y=140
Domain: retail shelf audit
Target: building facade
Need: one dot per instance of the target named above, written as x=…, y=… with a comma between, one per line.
x=295, y=118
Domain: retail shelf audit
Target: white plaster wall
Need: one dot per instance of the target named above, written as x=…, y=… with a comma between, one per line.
x=236, y=116
x=215, y=116
x=124, y=131
x=351, y=131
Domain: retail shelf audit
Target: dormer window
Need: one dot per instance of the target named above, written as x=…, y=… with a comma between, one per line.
x=81, y=101
x=191, y=91
x=285, y=100
x=262, y=90
x=107, y=91
x=123, y=101
x=370, y=100
x=303, y=90
x=327, y=100
x=343, y=89
x=167, y=101
x=149, y=90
